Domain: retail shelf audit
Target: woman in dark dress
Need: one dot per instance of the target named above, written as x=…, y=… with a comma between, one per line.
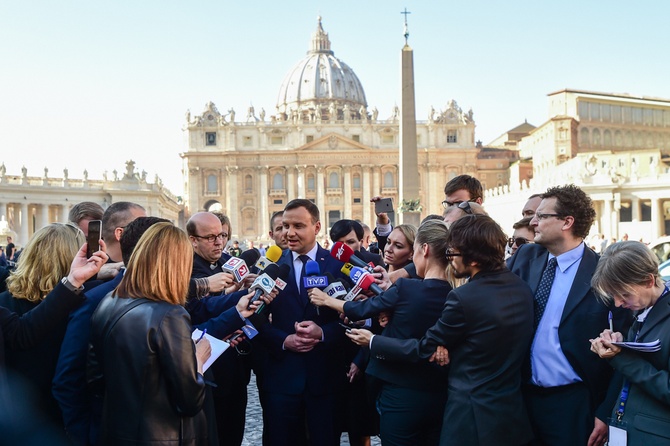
x=412, y=396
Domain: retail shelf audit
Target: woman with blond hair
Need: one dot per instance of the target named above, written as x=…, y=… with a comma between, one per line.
x=627, y=275
x=142, y=357
x=45, y=260
x=399, y=247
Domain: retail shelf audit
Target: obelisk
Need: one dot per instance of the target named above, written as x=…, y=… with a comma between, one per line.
x=409, y=164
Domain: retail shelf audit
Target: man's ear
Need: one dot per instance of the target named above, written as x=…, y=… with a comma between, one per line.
x=569, y=222
x=118, y=232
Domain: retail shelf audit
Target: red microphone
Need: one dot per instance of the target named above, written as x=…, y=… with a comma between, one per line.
x=344, y=253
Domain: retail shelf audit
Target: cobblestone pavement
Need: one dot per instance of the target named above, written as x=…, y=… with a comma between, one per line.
x=253, y=431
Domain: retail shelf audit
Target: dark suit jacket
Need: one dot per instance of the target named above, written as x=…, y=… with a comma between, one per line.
x=487, y=326
x=648, y=407
x=415, y=306
x=584, y=317
x=318, y=371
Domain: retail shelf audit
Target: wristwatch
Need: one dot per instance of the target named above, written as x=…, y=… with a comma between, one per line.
x=71, y=287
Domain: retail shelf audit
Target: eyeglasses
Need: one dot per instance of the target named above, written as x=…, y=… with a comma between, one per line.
x=450, y=253
x=446, y=204
x=212, y=238
x=519, y=241
x=540, y=216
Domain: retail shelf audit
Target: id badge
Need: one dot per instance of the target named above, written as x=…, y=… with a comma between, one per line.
x=617, y=433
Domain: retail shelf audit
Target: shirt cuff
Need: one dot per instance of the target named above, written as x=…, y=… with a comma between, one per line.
x=384, y=230
x=370, y=344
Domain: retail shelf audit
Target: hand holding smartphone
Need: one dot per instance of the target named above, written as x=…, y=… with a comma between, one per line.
x=93, y=237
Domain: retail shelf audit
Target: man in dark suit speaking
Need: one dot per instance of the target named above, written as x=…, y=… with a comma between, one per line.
x=304, y=368
x=487, y=326
x=567, y=384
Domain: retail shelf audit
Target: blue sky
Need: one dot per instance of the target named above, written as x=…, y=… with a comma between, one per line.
x=91, y=84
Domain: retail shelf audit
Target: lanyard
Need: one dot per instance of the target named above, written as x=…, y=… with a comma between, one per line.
x=623, y=397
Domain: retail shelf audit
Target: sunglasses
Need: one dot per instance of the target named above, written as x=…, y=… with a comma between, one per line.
x=519, y=241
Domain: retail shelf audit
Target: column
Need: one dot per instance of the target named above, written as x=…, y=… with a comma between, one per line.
x=367, y=186
x=232, y=200
x=635, y=209
x=301, y=181
x=657, y=221
x=376, y=181
x=64, y=213
x=3, y=212
x=264, y=212
x=24, y=233
x=348, y=200
x=320, y=192
x=42, y=215
x=607, y=220
x=290, y=179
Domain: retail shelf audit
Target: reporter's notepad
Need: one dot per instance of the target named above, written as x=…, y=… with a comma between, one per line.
x=218, y=347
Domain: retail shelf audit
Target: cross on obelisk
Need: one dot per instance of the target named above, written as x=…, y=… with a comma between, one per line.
x=406, y=34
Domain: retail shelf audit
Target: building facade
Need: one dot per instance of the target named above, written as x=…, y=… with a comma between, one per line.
x=28, y=203
x=324, y=143
x=614, y=146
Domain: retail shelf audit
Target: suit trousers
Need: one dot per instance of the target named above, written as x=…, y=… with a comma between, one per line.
x=560, y=415
x=410, y=416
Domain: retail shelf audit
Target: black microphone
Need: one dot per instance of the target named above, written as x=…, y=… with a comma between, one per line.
x=264, y=283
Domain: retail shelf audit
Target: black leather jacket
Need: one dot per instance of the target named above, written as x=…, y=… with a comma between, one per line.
x=143, y=359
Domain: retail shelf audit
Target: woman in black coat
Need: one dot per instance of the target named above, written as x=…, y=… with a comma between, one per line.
x=412, y=396
x=142, y=356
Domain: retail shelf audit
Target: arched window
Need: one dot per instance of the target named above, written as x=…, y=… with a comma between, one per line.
x=388, y=180
x=311, y=184
x=596, y=137
x=278, y=181
x=584, y=136
x=357, y=181
x=333, y=180
x=248, y=184
x=607, y=138
x=212, y=184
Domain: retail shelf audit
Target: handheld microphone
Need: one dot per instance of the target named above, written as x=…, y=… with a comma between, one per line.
x=280, y=282
x=344, y=253
x=312, y=278
x=272, y=254
x=284, y=272
x=365, y=280
x=336, y=289
x=264, y=283
x=237, y=267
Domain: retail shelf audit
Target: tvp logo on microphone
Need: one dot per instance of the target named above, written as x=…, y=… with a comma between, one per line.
x=315, y=282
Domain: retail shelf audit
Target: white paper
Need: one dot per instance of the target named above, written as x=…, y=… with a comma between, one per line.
x=617, y=437
x=218, y=347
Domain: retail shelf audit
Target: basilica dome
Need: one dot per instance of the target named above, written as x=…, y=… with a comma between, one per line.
x=320, y=82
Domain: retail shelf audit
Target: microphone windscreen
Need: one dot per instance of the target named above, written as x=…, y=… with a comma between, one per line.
x=250, y=256
x=312, y=268
x=341, y=252
x=273, y=253
x=284, y=271
x=272, y=270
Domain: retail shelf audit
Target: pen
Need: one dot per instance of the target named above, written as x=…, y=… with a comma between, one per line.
x=205, y=331
x=609, y=318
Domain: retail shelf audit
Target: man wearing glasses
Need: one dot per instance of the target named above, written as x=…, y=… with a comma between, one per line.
x=463, y=188
x=566, y=388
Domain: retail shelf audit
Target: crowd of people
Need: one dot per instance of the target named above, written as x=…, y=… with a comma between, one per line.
x=450, y=333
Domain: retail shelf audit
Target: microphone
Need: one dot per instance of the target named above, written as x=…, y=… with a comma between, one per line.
x=336, y=289
x=284, y=272
x=272, y=254
x=280, y=282
x=312, y=278
x=364, y=279
x=237, y=267
x=263, y=283
x=344, y=253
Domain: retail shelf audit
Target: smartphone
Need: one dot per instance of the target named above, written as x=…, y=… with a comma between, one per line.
x=93, y=237
x=384, y=205
x=345, y=326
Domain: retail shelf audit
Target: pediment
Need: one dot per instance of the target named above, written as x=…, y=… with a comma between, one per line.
x=333, y=141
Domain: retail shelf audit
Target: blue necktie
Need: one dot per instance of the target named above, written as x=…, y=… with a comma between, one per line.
x=542, y=293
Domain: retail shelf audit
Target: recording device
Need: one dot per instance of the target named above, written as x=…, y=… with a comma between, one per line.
x=384, y=205
x=238, y=266
x=364, y=279
x=312, y=278
x=280, y=282
x=344, y=253
x=335, y=288
x=263, y=283
x=272, y=254
x=346, y=327
x=93, y=237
